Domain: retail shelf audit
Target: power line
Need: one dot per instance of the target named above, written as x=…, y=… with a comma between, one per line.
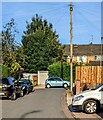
x=88, y=11
x=50, y=15
x=47, y=13
x=60, y=18
x=87, y=20
x=43, y=10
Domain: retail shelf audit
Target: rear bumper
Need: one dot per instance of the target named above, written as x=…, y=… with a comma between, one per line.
x=4, y=94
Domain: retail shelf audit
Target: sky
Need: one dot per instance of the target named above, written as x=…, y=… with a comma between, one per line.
x=86, y=19
x=102, y=20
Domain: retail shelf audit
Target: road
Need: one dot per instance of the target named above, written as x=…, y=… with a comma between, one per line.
x=42, y=103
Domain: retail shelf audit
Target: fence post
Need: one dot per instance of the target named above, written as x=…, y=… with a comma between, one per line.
x=77, y=86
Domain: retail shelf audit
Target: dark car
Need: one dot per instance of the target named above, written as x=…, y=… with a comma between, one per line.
x=26, y=85
x=9, y=89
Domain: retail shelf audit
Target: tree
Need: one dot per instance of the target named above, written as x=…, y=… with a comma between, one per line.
x=59, y=68
x=20, y=56
x=40, y=44
x=9, y=46
x=4, y=71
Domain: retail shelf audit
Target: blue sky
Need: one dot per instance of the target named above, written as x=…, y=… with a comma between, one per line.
x=86, y=19
x=102, y=20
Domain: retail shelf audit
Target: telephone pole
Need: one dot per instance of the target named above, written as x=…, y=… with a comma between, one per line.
x=101, y=61
x=71, y=47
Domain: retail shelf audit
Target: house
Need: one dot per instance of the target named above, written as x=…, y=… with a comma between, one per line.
x=86, y=53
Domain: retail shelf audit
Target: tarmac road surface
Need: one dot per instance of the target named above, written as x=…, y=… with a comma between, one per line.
x=42, y=103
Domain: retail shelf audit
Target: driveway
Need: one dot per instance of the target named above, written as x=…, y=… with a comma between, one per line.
x=42, y=103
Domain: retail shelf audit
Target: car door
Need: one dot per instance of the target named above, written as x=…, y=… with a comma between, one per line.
x=59, y=82
x=52, y=82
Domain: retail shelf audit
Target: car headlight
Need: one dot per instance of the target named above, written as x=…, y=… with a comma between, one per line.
x=78, y=98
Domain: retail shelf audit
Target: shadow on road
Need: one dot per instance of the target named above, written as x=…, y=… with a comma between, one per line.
x=4, y=98
x=72, y=110
x=100, y=113
x=32, y=112
x=56, y=87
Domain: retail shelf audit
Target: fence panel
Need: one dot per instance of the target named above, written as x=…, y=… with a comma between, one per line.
x=89, y=74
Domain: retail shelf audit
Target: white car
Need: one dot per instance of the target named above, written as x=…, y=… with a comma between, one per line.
x=89, y=101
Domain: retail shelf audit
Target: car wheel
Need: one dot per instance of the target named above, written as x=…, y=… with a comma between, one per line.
x=21, y=93
x=90, y=106
x=27, y=91
x=65, y=85
x=33, y=90
x=13, y=96
x=48, y=86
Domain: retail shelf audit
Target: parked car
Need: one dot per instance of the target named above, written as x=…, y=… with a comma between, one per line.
x=9, y=89
x=26, y=85
x=89, y=101
x=56, y=82
x=23, y=87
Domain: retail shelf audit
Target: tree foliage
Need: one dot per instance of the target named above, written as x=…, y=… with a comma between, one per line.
x=4, y=71
x=8, y=36
x=62, y=69
x=59, y=68
x=20, y=56
x=40, y=44
x=9, y=47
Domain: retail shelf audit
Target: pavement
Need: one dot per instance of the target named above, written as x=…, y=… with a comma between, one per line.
x=78, y=114
x=41, y=86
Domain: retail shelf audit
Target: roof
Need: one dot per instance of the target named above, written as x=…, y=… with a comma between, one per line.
x=96, y=63
x=84, y=49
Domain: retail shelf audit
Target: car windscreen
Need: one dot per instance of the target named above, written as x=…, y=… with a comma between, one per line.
x=51, y=79
x=57, y=79
x=25, y=80
x=97, y=87
x=21, y=82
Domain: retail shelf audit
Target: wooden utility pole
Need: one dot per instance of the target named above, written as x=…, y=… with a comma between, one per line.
x=101, y=61
x=71, y=47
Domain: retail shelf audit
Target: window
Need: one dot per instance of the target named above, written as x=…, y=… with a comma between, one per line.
x=82, y=58
x=50, y=79
x=98, y=57
x=95, y=57
x=58, y=79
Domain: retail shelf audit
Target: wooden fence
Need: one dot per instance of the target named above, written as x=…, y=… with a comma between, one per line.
x=89, y=74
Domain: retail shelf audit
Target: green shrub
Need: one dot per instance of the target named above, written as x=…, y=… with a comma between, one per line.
x=4, y=71
x=60, y=69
